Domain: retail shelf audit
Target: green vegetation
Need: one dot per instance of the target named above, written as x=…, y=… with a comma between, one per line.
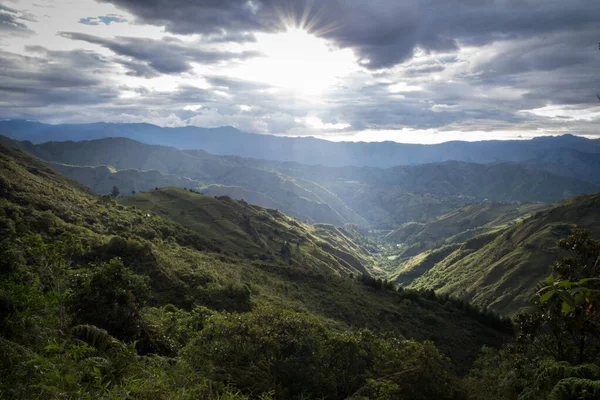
x=102, y=179
x=104, y=300
x=499, y=270
x=171, y=294
x=256, y=233
x=557, y=349
x=459, y=225
x=137, y=164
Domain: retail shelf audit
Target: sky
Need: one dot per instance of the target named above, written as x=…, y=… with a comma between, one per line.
x=416, y=71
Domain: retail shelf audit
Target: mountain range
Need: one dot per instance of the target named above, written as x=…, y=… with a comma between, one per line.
x=305, y=150
x=194, y=250
x=366, y=196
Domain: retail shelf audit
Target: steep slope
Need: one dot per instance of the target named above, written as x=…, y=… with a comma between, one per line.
x=501, y=271
x=308, y=150
x=239, y=193
x=296, y=197
x=459, y=225
x=40, y=208
x=253, y=232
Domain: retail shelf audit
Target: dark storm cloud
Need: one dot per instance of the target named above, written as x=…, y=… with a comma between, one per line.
x=384, y=32
x=13, y=21
x=53, y=78
x=167, y=56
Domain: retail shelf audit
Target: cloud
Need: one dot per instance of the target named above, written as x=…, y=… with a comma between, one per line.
x=466, y=66
x=14, y=21
x=105, y=19
x=71, y=78
x=163, y=56
x=383, y=32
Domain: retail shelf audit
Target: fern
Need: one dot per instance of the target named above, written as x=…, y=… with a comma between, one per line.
x=565, y=381
x=97, y=338
x=552, y=371
x=11, y=353
x=576, y=389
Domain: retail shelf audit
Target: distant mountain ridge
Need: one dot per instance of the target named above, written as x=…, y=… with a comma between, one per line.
x=297, y=198
x=306, y=150
x=365, y=196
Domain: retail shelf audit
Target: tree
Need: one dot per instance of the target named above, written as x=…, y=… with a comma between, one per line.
x=115, y=192
x=572, y=292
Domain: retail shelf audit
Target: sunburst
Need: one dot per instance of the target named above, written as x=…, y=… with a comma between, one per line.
x=296, y=57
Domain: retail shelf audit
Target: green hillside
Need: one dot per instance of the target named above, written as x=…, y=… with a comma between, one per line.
x=459, y=225
x=102, y=179
x=303, y=199
x=239, y=193
x=104, y=300
x=500, y=269
x=255, y=233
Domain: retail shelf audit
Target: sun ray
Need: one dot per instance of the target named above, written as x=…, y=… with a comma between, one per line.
x=295, y=55
x=309, y=18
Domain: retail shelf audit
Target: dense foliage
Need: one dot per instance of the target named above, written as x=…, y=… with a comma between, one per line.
x=103, y=301
x=557, y=351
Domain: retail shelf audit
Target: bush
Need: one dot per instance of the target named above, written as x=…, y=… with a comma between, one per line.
x=297, y=356
x=109, y=295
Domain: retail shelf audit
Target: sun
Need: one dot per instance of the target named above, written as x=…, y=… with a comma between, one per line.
x=298, y=61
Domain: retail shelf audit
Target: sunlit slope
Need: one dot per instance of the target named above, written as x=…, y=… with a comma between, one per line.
x=185, y=269
x=253, y=232
x=459, y=225
x=501, y=271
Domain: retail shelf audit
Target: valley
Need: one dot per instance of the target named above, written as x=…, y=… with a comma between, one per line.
x=445, y=255
x=299, y=200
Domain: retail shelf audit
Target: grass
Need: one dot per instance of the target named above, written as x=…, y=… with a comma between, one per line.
x=502, y=273
x=256, y=233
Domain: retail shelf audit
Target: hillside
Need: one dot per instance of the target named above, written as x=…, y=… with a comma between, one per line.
x=500, y=269
x=308, y=150
x=296, y=197
x=239, y=193
x=101, y=179
x=254, y=233
x=73, y=262
x=369, y=197
x=458, y=225
x=496, y=181
x=390, y=197
x=569, y=162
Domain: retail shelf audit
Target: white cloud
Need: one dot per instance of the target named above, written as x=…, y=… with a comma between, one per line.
x=567, y=112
